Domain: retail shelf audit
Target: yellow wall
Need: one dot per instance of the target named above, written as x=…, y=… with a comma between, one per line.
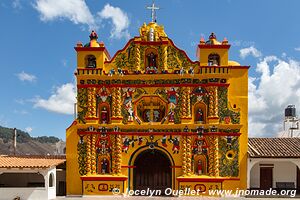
x=204, y=53
x=237, y=94
x=72, y=174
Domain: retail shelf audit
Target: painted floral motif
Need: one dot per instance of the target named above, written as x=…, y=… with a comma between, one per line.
x=226, y=115
x=82, y=104
x=82, y=156
x=229, y=160
x=126, y=59
x=177, y=59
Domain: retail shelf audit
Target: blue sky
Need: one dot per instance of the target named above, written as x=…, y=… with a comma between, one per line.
x=38, y=58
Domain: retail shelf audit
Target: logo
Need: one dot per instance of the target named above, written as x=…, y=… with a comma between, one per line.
x=116, y=191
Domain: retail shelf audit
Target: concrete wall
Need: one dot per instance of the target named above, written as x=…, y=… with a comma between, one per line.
x=283, y=171
x=51, y=190
x=24, y=193
x=14, y=184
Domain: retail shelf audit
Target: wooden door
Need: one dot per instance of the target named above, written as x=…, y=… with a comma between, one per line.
x=153, y=171
x=266, y=178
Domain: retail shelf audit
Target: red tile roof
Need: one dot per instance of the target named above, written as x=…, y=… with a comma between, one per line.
x=274, y=147
x=30, y=161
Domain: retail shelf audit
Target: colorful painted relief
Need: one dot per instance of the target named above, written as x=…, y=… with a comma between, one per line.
x=229, y=160
x=227, y=115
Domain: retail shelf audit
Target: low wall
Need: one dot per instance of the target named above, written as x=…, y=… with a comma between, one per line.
x=23, y=193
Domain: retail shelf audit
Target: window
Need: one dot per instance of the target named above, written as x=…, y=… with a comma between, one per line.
x=90, y=61
x=213, y=59
x=51, y=180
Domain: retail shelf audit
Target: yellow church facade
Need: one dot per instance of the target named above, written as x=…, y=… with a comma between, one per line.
x=151, y=118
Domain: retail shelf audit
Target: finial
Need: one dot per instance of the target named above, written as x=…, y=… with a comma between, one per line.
x=202, y=41
x=212, y=36
x=153, y=12
x=79, y=44
x=225, y=41
x=93, y=35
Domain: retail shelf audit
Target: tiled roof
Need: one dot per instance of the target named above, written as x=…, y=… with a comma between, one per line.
x=30, y=161
x=274, y=147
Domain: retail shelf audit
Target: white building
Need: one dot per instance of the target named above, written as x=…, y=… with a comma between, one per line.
x=274, y=163
x=30, y=177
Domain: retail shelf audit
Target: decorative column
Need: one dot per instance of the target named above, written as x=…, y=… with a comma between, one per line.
x=118, y=155
x=216, y=102
x=186, y=116
x=92, y=113
x=216, y=156
x=189, y=155
x=113, y=149
x=88, y=154
x=183, y=104
x=213, y=158
x=213, y=104
x=116, y=105
x=188, y=102
x=138, y=57
x=165, y=57
x=93, y=154
x=184, y=155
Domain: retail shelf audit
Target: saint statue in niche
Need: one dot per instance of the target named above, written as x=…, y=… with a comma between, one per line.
x=199, y=115
x=104, y=116
x=152, y=65
x=104, y=166
x=199, y=167
x=151, y=60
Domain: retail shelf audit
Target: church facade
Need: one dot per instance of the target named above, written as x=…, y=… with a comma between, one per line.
x=150, y=117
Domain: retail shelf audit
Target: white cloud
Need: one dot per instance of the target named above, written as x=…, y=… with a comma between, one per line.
x=120, y=21
x=20, y=101
x=297, y=49
x=277, y=86
x=26, y=77
x=78, y=12
x=250, y=51
x=21, y=112
x=16, y=4
x=74, y=10
x=28, y=129
x=61, y=101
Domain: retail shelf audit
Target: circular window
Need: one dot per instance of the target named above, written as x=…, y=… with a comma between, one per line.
x=230, y=155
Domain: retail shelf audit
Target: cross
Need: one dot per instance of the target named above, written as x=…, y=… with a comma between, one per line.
x=153, y=14
x=151, y=107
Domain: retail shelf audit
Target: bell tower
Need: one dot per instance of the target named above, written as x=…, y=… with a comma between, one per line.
x=212, y=52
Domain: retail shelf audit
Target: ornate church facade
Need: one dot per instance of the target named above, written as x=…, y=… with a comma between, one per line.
x=150, y=117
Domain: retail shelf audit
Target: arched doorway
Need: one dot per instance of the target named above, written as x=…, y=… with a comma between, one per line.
x=153, y=171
